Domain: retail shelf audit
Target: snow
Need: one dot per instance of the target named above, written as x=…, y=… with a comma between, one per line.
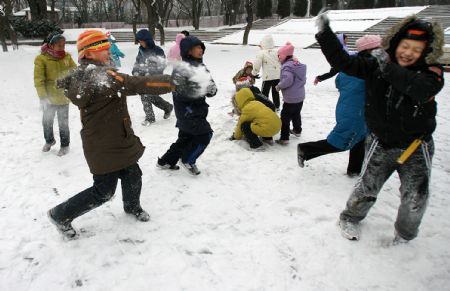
x=301, y=31
x=250, y=221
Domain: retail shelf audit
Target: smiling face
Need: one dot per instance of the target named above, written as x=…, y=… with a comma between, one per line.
x=102, y=56
x=409, y=51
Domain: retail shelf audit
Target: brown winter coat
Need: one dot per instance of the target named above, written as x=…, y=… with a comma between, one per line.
x=100, y=93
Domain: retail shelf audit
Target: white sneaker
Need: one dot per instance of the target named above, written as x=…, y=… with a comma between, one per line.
x=48, y=146
x=192, y=169
x=168, y=113
x=63, y=151
x=349, y=230
x=147, y=122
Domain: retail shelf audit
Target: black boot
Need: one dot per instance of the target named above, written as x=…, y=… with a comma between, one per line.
x=251, y=138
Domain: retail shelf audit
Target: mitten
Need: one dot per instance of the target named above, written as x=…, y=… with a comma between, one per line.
x=232, y=137
x=382, y=58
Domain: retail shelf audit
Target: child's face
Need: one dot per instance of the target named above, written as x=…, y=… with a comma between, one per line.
x=143, y=44
x=102, y=56
x=409, y=51
x=58, y=46
x=248, y=70
x=196, y=52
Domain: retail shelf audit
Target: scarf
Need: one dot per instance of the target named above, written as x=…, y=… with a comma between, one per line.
x=56, y=54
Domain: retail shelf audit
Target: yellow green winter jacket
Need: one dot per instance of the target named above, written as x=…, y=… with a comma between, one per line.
x=47, y=70
x=264, y=122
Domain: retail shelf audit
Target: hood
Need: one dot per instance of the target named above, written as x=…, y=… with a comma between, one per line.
x=187, y=43
x=267, y=42
x=434, y=48
x=178, y=38
x=146, y=36
x=243, y=97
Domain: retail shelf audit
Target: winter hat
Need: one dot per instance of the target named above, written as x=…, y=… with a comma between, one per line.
x=243, y=82
x=93, y=41
x=54, y=37
x=367, y=42
x=285, y=51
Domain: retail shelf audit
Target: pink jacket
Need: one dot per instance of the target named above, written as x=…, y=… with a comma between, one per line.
x=174, y=52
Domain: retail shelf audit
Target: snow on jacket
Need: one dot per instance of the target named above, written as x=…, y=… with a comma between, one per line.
x=116, y=53
x=100, y=93
x=194, y=83
x=174, y=52
x=350, y=125
x=47, y=70
x=264, y=121
x=267, y=58
x=400, y=105
x=150, y=60
x=292, y=81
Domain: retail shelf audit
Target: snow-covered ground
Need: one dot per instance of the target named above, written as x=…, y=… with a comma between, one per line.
x=250, y=221
x=304, y=30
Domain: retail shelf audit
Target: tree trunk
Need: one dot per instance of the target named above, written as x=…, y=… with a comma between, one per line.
x=308, y=9
x=162, y=35
x=3, y=32
x=248, y=27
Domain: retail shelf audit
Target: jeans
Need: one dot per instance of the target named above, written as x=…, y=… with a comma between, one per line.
x=63, y=122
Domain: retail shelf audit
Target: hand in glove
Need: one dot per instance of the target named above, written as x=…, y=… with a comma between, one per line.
x=232, y=137
x=322, y=21
x=256, y=76
x=277, y=88
x=316, y=81
x=382, y=58
x=211, y=90
x=44, y=103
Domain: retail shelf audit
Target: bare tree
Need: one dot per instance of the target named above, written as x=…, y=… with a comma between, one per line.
x=194, y=10
x=82, y=7
x=38, y=9
x=6, y=28
x=249, y=8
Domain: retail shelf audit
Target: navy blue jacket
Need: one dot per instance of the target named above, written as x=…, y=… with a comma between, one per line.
x=150, y=60
x=193, y=83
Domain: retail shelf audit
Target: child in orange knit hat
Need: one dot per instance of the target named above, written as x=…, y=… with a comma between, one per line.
x=110, y=146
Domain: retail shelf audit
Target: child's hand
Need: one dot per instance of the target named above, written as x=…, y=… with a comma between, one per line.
x=382, y=58
x=277, y=88
x=232, y=137
x=316, y=81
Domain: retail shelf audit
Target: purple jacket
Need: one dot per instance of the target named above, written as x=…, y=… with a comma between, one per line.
x=292, y=81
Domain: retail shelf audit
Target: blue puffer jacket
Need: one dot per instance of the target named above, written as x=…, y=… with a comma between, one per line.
x=150, y=60
x=116, y=53
x=193, y=83
x=350, y=122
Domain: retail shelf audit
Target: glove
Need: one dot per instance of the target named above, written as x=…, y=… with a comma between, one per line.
x=277, y=88
x=322, y=21
x=316, y=81
x=232, y=137
x=382, y=58
x=44, y=103
x=211, y=90
x=256, y=76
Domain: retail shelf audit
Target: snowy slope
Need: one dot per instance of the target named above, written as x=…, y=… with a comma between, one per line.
x=250, y=221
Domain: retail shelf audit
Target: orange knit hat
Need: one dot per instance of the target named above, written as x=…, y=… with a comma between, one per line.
x=92, y=40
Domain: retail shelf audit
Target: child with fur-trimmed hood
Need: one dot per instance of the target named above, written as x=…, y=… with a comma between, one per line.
x=402, y=81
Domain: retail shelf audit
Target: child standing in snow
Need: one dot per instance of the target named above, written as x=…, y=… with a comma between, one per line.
x=150, y=61
x=52, y=63
x=110, y=146
x=402, y=80
x=256, y=119
x=116, y=53
x=174, y=52
x=194, y=83
x=267, y=59
x=292, y=86
x=350, y=130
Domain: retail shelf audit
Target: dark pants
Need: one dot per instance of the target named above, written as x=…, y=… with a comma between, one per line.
x=158, y=101
x=63, y=122
x=266, y=86
x=414, y=174
x=291, y=112
x=251, y=138
x=319, y=148
x=103, y=190
x=188, y=147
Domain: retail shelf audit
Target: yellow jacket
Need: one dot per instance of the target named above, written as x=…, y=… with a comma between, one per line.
x=264, y=122
x=47, y=70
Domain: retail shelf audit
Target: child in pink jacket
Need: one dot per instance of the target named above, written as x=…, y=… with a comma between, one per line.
x=174, y=52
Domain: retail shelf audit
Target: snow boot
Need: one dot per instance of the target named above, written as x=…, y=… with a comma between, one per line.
x=282, y=142
x=296, y=134
x=192, y=169
x=63, y=151
x=65, y=229
x=147, y=122
x=349, y=230
x=398, y=240
x=300, y=157
x=48, y=146
x=168, y=112
x=160, y=164
x=140, y=214
x=268, y=140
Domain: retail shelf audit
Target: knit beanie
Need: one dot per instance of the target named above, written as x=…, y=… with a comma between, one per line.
x=367, y=42
x=285, y=51
x=93, y=41
x=243, y=82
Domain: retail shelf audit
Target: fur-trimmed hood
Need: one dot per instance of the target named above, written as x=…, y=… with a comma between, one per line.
x=434, y=47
